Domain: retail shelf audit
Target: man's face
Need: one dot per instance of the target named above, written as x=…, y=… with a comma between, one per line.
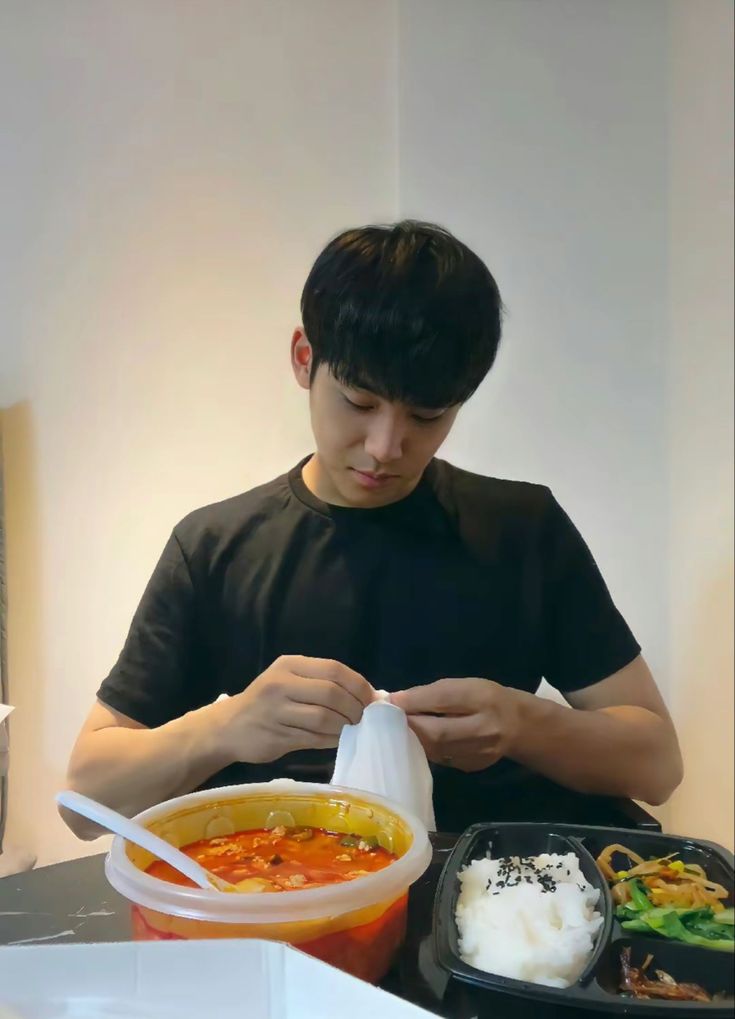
x=370, y=451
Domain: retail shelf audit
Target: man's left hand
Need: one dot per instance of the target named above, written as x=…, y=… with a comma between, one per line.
x=463, y=723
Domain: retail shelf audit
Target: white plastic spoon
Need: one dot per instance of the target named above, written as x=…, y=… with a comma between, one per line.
x=140, y=836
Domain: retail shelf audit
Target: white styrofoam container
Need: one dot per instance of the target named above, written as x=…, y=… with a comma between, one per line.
x=249, y=979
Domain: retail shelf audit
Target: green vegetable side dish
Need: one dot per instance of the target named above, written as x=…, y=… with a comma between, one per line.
x=669, y=897
x=702, y=927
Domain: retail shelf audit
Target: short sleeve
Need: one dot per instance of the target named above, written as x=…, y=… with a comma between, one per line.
x=586, y=639
x=158, y=675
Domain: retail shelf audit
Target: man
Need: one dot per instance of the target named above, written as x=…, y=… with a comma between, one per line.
x=373, y=565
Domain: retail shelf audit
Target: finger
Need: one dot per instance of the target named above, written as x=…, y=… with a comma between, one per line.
x=334, y=672
x=302, y=739
x=320, y=721
x=445, y=731
x=445, y=696
x=325, y=694
x=459, y=756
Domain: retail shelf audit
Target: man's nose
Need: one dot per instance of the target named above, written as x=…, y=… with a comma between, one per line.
x=385, y=439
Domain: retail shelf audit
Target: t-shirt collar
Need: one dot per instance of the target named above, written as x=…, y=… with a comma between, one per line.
x=416, y=502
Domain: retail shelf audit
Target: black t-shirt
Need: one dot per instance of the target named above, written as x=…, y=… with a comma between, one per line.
x=467, y=576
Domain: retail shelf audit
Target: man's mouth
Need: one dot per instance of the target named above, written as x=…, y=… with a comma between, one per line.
x=372, y=479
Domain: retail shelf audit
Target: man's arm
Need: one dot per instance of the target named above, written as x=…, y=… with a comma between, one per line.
x=128, y=767
x=298, y=703
x=616, y=739
x=620, y=740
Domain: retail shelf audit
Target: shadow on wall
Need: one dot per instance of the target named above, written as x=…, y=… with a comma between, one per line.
x=25, y=628
x=704, y=713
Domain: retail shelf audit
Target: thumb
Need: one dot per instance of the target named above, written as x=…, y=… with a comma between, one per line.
x=432, y=699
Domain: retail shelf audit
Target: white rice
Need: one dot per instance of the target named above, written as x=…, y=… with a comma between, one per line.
x=530, y=918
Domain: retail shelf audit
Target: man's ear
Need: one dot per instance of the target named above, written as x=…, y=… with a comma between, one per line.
x=301, y=358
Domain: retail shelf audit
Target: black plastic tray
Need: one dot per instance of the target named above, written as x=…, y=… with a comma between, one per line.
x=597, y=987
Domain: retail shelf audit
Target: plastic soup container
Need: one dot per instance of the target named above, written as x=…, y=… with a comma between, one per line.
x=357, y=925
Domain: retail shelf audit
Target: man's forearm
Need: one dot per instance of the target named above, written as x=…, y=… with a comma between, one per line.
x=617, y=751
x=131, y=769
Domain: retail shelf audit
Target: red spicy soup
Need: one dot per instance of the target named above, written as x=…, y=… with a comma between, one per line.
x=281, y=859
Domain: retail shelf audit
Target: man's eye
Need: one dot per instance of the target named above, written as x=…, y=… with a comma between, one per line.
x=358, y=406
x=424, y=420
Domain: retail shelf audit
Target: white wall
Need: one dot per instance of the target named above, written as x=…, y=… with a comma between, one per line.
x=585, y=150
x=700, y=418
x=537, y=132
x=174, y=168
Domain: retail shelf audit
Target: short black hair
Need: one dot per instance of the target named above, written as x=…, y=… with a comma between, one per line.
x=406, y=311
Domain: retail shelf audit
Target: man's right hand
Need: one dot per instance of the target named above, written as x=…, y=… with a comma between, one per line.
x=298, y=703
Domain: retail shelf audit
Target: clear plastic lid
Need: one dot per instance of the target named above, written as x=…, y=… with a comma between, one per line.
x=236, y=808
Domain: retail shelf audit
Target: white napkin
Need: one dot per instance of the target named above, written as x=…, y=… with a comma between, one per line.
x=382, y=755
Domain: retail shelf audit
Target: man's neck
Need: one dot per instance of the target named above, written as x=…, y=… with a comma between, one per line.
x=318, y=482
